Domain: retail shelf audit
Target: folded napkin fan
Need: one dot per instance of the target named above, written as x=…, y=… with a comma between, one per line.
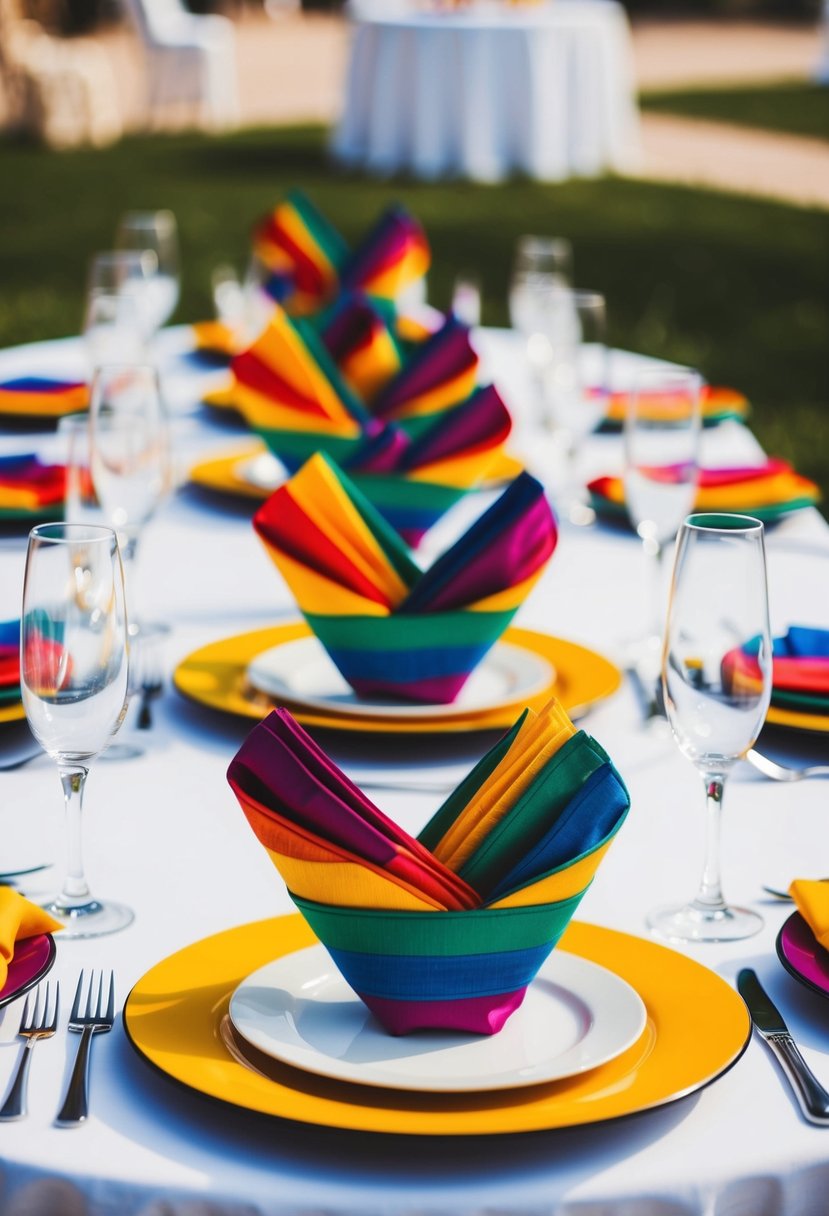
x=766, y=491
x=291, y=391
x=800, y=669
x=392, y=629
x=9, y=661
x=27, y=485
x=811, y=897
x=42, y=396
x=19, y=919
x=445, y=930
x=310, y=261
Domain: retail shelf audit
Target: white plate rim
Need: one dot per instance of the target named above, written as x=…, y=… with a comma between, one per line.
x=619, y=1017
x=541, y=675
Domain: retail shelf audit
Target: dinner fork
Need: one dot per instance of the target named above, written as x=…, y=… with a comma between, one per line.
x=778, y=772
x=94, y=1018
x=152, y=684
x=41, y=1024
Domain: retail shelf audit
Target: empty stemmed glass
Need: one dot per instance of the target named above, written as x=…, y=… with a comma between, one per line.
x=716, y=678
x=661, y=442
x=130, y=457
x=154, y=232
x=73, y=679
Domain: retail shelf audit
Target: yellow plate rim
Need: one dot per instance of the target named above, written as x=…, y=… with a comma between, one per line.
x=12, y=713
x=797, y=721
x=697, y=1029
x=214, y=676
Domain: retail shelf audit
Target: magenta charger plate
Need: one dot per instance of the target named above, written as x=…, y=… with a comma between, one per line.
x=33, y=958
x=802, y=956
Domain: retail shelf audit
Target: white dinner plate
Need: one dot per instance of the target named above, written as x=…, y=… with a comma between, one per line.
x=299, y=1010
x=263, y=471
x=300, y=671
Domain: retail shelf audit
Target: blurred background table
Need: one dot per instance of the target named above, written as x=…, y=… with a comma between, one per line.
x=546, y=90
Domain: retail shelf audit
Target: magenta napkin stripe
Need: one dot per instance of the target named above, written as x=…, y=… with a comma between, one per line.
x=476, y=1014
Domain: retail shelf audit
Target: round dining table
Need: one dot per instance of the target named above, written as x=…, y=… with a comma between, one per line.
x=489, y=90
x=165, y=835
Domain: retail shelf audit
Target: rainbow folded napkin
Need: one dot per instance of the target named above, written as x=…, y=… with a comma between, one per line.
x=413, y=482
x=800, y=671
x=292, y=392
x=766, y=491
x=309, y=261
x=811, y=897
x=42, y=397
x=9, y=662
x=360, y=335
x=716, y=405
x=446, y=930
x=392, y=629
x=19, y=919
x=28, y=487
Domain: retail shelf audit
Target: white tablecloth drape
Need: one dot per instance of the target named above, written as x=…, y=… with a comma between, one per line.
x=547, y=92
x=164, y=834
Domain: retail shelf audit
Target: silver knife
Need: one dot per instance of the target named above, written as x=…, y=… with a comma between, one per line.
x=812, y=1097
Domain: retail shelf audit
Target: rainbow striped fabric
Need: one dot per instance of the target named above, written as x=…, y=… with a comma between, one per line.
x=765, y=491
x=310, y=262
x=413, y=482
x=9, y=662
x=717, y=404
x=42, y=397
x=446, y=930
x=392, y=629
x=29, y=488
x=800, y=671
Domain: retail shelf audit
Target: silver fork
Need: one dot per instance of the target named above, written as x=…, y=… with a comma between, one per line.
x=41, y=1024
x=152, y=684
x=778, y=772
x=94, y=1019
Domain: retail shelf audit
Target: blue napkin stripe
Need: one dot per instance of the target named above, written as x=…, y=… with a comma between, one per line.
x=402, y=977
x=402, y=666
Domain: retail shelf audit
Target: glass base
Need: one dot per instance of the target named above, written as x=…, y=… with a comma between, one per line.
x=93, y=919
x=696, y=923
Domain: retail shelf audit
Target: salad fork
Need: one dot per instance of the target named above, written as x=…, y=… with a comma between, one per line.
x=779, y=772
x=41, y=1024
x=94, y=1019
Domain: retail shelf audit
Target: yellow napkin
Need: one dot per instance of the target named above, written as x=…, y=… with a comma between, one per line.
x=811, y=896
x=19, y=918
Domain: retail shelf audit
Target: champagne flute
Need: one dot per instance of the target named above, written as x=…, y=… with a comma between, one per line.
x=716, y=680
x=125, y=272
x=129, y=457
x=540, y=262
x=661, y=445
x=154, y=232
x=73, y=679
x=112, y=327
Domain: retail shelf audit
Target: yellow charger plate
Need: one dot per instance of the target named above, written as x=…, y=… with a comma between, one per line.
x=12, y=713
x=176, y=1018
x=797, y=721
x=216, y=676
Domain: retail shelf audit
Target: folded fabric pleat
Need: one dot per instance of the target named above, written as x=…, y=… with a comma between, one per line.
x=362, y=343
x=303, y=251
x=393, y=255
x=439, y=374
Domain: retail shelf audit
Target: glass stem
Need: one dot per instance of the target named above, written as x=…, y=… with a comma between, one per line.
x=710, y=897
x=75, y=893
x=655, y=549
x=129, y=559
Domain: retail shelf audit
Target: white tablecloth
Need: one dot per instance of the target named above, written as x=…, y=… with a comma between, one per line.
x=164, y=834
x=546, y=91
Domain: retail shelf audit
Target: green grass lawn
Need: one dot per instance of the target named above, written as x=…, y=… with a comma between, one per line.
x=734, y=286
x=794, y=107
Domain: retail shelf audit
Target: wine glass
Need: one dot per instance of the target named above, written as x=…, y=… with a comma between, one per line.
x=154, y=232
x=125, y=272
x=466, y=298
x=661, y=446
x=73, y=679
x=540, y=262
x=112, y=327
x=716, y=680
x=130, y=460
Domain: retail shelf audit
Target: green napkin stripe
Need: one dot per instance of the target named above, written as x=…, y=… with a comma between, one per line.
x=567, y=864
x=389, y=540
x=295, y=447
x=329, y=239
x=397, y=490
x=808, y=701
x=399, y=631
x=319, y=352
x=534, y=813
x=462, y=795
x=437, y=934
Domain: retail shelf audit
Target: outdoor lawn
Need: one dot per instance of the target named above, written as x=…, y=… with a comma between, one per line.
x=734, y=286
x=794, y=107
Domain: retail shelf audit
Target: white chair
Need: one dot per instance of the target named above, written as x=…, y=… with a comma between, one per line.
x=191, y=61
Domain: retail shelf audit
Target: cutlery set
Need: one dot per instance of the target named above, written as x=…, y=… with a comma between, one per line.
x=39, y=1020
